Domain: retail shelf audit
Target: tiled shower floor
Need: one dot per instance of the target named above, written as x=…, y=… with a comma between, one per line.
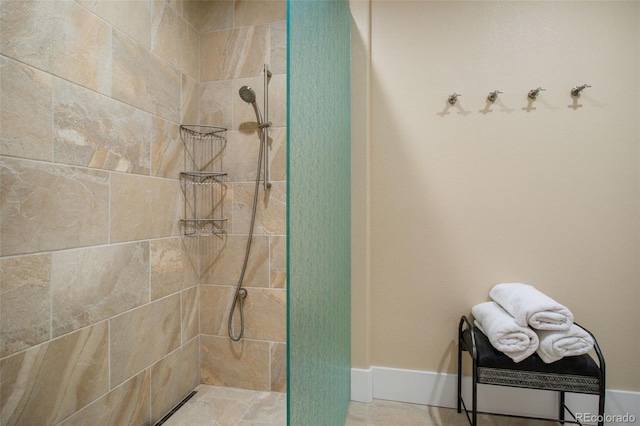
x=221, y=406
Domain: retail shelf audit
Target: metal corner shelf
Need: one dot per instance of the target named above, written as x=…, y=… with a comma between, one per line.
x=202, y=182
x=203, y=227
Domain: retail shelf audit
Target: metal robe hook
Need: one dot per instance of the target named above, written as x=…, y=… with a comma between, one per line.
x=575, y=92
x=493, y=95
x=454, y=98
x=533, y=94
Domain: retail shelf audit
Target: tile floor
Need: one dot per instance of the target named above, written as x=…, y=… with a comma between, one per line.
x=220, y=406
x=391, y=413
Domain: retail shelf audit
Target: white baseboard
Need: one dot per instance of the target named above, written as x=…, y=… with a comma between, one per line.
x=440, y=389
x=361, y=385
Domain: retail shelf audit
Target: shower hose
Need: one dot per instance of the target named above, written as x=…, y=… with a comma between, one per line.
x=241, y=293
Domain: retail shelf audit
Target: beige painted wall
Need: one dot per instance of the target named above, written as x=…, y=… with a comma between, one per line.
x=461, y=198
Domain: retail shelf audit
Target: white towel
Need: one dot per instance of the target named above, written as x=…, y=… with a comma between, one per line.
x=555, y=345
x=504, y=334
x=532, y=307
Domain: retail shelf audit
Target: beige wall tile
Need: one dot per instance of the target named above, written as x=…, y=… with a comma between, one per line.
x=25, y=303
x=243, y=364
x=215, y=303
x=143, y=207
x=241, y=156
x=59, y=37
x=48, y=207
x=174, y=40
x=144, y=80
x=234, y=53
x=278, y=46
x=265, y=314
x=278, y=100
x=96, y=131
x=190, y=100
x=256, y=12
x=167, y=154
x=271, y=213
x=278, y=367
x=127, y=404
x=177, y=5
x=171, y=268
x=190, y=313
x=81, y=47
x=25, y=111
x=278, y=153
x=132, y=17
x=222, y=264
x=190, y=53
x=90, y=285
x=25, y=31
x=215, y=106
x=155, y=330
x=47, y=383
x=173, y=377
x=278, y=259
x=207, y=16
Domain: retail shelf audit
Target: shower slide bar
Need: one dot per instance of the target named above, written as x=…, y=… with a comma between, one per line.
x=265, y=127
x=248, y=95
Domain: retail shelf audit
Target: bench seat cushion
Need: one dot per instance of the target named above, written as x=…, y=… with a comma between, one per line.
x=578, y=374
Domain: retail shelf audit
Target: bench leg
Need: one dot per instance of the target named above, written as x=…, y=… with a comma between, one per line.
x=474, y=414
x=601, y=407
x=459, y=377
x=561, y=413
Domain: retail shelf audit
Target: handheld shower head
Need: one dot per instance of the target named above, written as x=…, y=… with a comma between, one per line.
x=249, y=96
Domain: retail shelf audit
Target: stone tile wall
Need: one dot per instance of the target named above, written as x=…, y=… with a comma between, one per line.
x=101, y=306
x=237, y=40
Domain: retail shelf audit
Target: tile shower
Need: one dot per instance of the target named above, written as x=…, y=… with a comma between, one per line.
x=107, y=314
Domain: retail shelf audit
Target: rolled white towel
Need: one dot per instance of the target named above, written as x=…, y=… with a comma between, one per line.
x=555, y=345
x=505, y=335
x=532, y=307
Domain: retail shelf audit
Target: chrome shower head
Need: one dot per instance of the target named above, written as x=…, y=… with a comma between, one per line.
x=247, y=94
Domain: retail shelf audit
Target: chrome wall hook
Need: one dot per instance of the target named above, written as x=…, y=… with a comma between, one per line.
x=575, y=92
x=454, y=98
x=533, y=94
x=493, y=95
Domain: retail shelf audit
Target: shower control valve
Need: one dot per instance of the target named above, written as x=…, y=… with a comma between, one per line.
x=493, y=95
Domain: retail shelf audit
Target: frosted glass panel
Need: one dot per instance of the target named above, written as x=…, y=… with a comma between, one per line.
x=318, y=218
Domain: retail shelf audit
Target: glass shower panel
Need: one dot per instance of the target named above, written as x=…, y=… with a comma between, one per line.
x=318, y=211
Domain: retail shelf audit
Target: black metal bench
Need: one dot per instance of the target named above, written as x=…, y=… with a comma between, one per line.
x=575, y=374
